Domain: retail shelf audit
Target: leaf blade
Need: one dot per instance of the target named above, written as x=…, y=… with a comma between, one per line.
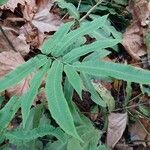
x=119, y=71
x=73, y=35
x=21, y=72
x=74, y=79
x=56, y=102
x=28, y=98
x=8, y=111
x=98, y=45
x=94, y=95
x=50, y=44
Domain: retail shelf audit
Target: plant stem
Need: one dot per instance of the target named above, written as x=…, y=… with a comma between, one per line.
x=88, y=13
x=79, y=5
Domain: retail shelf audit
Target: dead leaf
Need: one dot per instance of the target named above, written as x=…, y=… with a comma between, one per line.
x=138, y=133
x=40, y=16
x=133, y=38
x=116, y=125
x=8, y=62
x=120, y=146
x=133, y=42
x=37, y=19
x=12, y=4
x=46, y=21
x=17, y=42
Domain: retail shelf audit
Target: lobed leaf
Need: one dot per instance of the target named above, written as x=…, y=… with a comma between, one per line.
x=56, y=101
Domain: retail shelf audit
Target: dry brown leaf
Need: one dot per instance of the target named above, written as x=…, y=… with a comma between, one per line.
x=8, y=62
x=46, y=21
x=133, y=39
x=141, y=11
x=37, y=18
x=41, y=18
x=18, y=41
x=122, y=146
x=133, y=42
x=138, y=133
x=116, y=125
x=12, y=4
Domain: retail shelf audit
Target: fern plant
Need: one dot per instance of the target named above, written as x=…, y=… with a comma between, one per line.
x=66, y=57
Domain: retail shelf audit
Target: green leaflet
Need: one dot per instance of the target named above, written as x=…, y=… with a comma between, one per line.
x=56, y=101
x=97, y=55
x=98, y=45
x=2, y=2
x=70, y=7
x=75, y=34
x=107, y=30
x=106, y=95
x=121, y=2
x=80, y=41
x=51, y=44
x=119, y=71
x=74, y=144
x=34, y=117
x=56, y=145
x=145, y=110
x=21, y=72
x=94, y=95
x=128, y=93
x=28, y=98
x=68, y=92
x=21, y=136
x=8, y=111
x=74, y=79
x=90, y=135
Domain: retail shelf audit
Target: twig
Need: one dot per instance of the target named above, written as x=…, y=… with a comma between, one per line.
x=131, y=106
x=88, y=13
x=79, y=5
x=143, y=127
x=134, y=98
x=9, y=42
